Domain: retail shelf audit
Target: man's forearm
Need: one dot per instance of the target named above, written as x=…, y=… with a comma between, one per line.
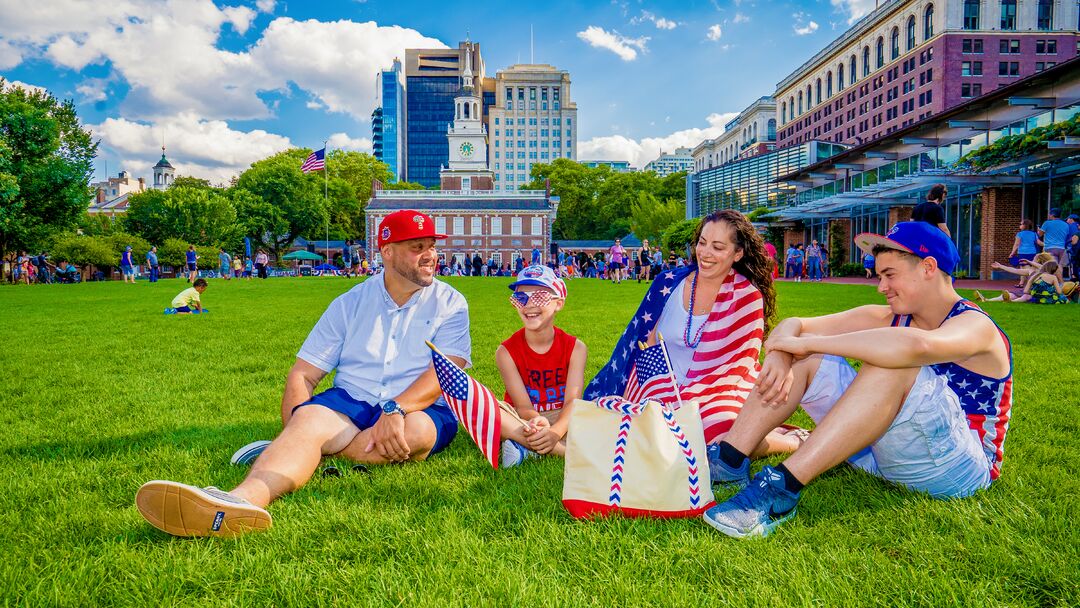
x=790, y=327
x=888, y=347
x=423, y=392
x=298, y=389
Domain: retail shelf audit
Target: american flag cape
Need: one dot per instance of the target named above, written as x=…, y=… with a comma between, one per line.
x=725, y=363
x=474, y=405
x=316, y=161
x=650, y=377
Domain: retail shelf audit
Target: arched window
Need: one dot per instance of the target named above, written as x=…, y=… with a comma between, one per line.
x=817, y=100
x=783, y=112
x=828, y=85
x=928, y=22
x=880, y=52
x=971, y=14
x=800, y=103
x=866, y=61
x=771, y=129
x=475, y=111
x=1008, y=14
x=1045, y=17
x=809, y=98
x=911, y=32
x=840, y=77
x=791, y=104
x=851, y=68
x=894, y=44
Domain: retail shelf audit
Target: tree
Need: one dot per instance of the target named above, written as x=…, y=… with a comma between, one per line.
x=201, y=216
x=83, y=249
x=288, y=203
x=402, y=186
x=46, y=161
x=184, y=181
x=649, y=218
x=679, y=235
x=576, y=186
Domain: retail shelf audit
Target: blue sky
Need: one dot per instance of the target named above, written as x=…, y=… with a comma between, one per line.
x=229, y=82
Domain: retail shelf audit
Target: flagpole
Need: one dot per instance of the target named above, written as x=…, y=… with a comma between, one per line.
x=326, y=188
x=671, y=370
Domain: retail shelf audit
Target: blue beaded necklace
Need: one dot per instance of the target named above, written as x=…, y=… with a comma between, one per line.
x=690, y=318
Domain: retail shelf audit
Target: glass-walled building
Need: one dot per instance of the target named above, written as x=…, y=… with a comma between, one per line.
x=386, y=128
x=750, y=183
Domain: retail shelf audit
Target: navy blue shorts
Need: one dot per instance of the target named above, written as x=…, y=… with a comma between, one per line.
x=364, y=415
x=192, y=266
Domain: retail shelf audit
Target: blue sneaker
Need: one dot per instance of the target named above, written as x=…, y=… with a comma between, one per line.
x=247, y=454
x=513, y=454
x=757, y=510
x=720, y=473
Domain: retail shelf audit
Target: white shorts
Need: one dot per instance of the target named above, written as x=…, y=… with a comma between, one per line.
x=929, y=446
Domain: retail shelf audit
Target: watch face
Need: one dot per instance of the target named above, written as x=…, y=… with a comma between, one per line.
x=466, y=149
x=389, y=406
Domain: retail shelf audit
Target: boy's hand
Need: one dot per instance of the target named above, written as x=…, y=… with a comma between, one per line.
x=544, y=440
x=388, y=438
x=775, y=379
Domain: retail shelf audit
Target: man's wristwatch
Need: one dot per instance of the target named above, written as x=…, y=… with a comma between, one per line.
x=392, y=407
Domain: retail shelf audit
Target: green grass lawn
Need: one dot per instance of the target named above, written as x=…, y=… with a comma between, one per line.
x=101, y=392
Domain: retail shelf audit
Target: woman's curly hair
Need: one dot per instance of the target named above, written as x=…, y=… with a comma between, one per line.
x=755, y=265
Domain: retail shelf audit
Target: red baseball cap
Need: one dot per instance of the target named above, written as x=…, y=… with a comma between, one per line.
x=405, y=225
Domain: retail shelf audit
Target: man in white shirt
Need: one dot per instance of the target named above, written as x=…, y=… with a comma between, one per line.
x=385, y=405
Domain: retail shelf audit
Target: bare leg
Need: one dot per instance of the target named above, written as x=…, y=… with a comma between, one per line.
x=289, y=461
x=859, y=418
x=776, y=443
x=420, y=435
x=756, y=420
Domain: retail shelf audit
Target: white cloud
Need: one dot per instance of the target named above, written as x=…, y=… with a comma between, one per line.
x=265, y=6
x=801, y=27
x=640, y=152
x=854, y=9
x=740, y=18
x=714, y=32
x=342, y=141
x=33, y=88
x=208, y=149
x=665, y=24
x=169, y=55
x=93, y=89
x=661, y=23
x=626, y=48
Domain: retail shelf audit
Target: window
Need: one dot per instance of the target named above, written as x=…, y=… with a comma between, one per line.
x=971, y=14
x=1046, y=47
x=515, y=225
x=911, y=32
x=809, y=98
x=1009, y=68
x=783, y=112
x=1008, y=14
x=1009, y=47
x=1044, y=18
x=440, y=225
x=928, y=23
x=894, y=44
x=536, y=226
x=791, y=104
x=476, y=224
x=459, y=226
x=817, y=100
x=866, y=61
x=970, y=89
x=971, y=68
x=972, y=46
x=851, y=69
x=800, y=102
x=839, y=79
x=880, y=53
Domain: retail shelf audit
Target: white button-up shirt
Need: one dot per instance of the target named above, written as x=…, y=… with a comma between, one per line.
x=377, y=346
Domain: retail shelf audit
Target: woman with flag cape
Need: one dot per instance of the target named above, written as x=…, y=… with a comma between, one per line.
x=715, y=314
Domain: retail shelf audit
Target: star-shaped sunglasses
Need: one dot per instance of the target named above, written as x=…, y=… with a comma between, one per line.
x=525, y=299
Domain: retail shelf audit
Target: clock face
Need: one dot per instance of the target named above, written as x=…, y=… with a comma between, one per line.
x=466, y=149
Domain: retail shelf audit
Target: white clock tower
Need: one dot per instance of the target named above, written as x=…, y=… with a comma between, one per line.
x=467, y=136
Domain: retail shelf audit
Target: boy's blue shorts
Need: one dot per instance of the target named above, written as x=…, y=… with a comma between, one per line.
x=364, y=415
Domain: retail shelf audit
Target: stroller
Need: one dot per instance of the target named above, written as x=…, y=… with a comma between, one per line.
x=69, y=275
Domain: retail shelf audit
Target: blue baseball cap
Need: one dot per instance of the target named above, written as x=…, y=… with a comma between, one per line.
x=917, y=238
x=541, y=276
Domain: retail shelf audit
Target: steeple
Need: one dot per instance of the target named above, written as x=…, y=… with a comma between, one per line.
x=164, y=172
x=467, y=75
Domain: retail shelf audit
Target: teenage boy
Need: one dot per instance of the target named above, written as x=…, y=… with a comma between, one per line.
x=385, y=404
x=542, y=367
x=931, y=211
x=928, y=409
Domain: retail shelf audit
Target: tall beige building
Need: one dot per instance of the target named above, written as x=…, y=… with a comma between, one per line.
x=533, y=120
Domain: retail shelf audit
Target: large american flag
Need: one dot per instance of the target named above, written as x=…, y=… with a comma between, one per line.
x=474, y=405
x=315, y=162
x=650, y=377
x=725, y=362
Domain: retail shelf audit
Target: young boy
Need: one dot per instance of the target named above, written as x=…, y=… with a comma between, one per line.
x=188, y=301
x=928, y=409
x=542, y=366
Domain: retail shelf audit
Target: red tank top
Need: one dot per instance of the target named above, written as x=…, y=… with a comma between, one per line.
x=544, y=375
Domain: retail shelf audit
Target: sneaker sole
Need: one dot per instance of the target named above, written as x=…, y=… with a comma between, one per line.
x=183, y=510
x=758, y=531
x=248, y=453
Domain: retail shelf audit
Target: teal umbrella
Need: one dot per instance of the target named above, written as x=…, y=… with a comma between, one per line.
x=302, y=255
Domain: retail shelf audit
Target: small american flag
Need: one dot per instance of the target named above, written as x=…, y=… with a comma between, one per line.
x=475, y=406
x=315, y=162
x=650, y=377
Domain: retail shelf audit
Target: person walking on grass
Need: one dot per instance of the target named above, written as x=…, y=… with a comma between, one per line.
x=928, y=409
x=224, y=264
x=192, y=259
x=127, y=266
x=1025, y=245
x=542, y=367
x=261, y=262
x=153, y=265
x=931, y=211
x=1055, y=232
x=616, y=261
x=385, y=406
x=646, y=261
x=813, y=261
